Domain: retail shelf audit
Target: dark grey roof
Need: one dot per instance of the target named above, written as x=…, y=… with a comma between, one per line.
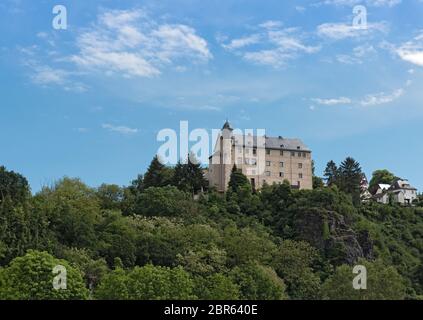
x=277, y=143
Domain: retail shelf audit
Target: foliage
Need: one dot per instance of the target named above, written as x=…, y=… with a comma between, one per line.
x=159, y=242
x=383, y=283
x=31, y=278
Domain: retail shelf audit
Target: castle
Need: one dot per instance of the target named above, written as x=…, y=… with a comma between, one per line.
x=264, y=160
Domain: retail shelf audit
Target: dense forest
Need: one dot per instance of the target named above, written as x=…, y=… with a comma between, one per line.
x=155, y=240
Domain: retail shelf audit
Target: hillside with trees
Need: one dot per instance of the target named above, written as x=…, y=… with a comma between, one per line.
x=154, y=240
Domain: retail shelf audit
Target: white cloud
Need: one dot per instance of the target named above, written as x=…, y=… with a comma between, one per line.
x=128, y=42
x=373, y=3
x=271, y=45
x=119, y=129
x=332, y=102
x=242, y=42
x=412, y=51
x=382, y=98
x=340, y=31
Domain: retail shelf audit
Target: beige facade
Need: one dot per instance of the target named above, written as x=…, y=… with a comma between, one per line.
x=262, y=159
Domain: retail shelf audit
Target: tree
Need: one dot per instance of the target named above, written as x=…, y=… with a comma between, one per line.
x=157, y=175
x=189, y=177
x=383, y=283
x=331, y=173
x=73, y=211
x=93, y=270
x=31, y=278
x=216, y=287
x=350, y=176
x=110, y=196
x=165, y=201
x=294, y=264
x=381, y=176
x=14, y=186
x=237, y=180
x=257, y=282
x=147, y=283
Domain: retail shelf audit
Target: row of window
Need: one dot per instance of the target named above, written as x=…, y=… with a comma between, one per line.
x=281, y=175
x=281, y=164
x=268, y=152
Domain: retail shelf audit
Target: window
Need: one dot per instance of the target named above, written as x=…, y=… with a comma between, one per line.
x=239, y=161
x=247, y=151
x=300, y=166
x=292, y=154
x=254, y=151
x=247, y=161
x=268, y=173
x=281, y=164
x=304, y=155
x=268, y=163
x=282, y=153
x=300, y=175
x=300, y=154
x=253, y=162
x=239, y=150
x=268, y=151
x=281, y=175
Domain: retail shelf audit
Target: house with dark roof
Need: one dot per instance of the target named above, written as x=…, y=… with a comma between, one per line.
x=263, y=159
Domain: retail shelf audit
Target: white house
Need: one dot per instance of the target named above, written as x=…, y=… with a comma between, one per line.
x=403, y=192
x=400, y=192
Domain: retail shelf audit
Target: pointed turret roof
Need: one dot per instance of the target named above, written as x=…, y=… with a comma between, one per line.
x=227, y=125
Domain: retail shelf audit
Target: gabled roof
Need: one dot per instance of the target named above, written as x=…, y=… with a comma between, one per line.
x=384, y=186
x=402, y=185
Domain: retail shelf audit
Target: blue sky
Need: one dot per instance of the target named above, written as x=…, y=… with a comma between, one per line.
x=89, y=101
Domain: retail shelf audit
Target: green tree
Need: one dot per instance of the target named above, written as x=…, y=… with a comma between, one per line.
x=157, y=175
x=383, y=283
x=381, y=176
x=351, y=175
x=189, y=177
x=14, y=186
x=294, y=264
x=165, y=201
x=237, y=180
x=31, y=278
x=216, y=287
x=73, y=211
x=257, y=282
x=110, y=196
x=93, y=270
x=147, y=283
x=331, y=173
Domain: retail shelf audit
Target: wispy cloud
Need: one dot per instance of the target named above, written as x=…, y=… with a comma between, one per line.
x=412, y=51
x=373, y=3
x=369, y=100
x=119, y=129
x=332, y=102
x=340, y=31
x=271, y=45
x=382, y=98
x=131, y=43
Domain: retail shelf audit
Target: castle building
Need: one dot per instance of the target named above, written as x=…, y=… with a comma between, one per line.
x=264, y=160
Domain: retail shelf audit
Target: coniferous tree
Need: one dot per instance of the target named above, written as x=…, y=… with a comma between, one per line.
x=157, y=175
x=331, y=173
x=350, y=178
x=189, y=177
